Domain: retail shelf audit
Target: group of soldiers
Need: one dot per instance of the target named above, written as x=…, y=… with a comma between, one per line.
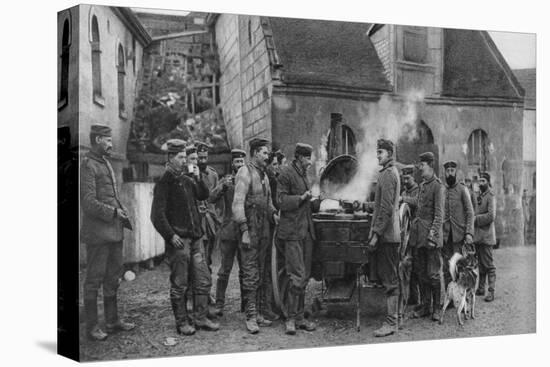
x=267, y=201
x=446, y=216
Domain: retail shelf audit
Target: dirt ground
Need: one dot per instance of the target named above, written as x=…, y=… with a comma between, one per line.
x=145, y=302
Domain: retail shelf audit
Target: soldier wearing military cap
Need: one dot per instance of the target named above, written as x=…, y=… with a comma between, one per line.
x=176, y=218
x=103, y=220
x=427, y=237
x=296, y=233
x=210, y=220
x=409, y=195
x=229, y=233
x=385, y=233
x=485, y=236
x=253, y=211
x=458, y=222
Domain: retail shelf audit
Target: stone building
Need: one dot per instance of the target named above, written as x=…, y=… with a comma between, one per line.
x=527, y=78
x=100, y=52
x=299, y=80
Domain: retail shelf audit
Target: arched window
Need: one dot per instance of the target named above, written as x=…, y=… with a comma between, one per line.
x=64, y=82
x=121, y=75
x=348, y=140
x=478, y=150
x=423, y=133
x=96, y=60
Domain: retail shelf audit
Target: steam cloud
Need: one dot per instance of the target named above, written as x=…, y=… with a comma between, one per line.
x=389, y=119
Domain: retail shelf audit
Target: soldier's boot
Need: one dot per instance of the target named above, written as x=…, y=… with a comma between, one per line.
x=391, y=323
x=491, y=291
x=292, y=308
x=423, y=309
x=221, y=287
x=436, y=298
x=251, y=313
x=93, y=331
x=179, y=308
x=202, y=322
x=301, y=322
x=260, y=319
x=481, y=286
x=112, y=322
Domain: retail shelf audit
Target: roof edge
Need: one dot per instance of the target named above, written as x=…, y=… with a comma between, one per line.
x=503, y=64
x=127, y=16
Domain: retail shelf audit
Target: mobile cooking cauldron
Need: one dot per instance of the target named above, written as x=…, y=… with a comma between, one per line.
x=342, y=231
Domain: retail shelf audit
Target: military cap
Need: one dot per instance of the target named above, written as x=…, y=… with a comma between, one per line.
x=237, y=153
x=426, y=157
x=451, y=164
x=486, y=176
x=303, y=150
x=175, y=146
x=101, y=130
x=202, y=147
x=256, y=143
x=190, y=149
x=407, y=170
x=385, y=144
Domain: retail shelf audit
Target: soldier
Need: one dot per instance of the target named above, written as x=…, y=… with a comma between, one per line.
x=296, y=233
x=409, y=195
x=385, y=233
x=103, y=220
x=252, y=212
x=273, y=169
x=485, y=236
x=210, y=220
x=427, y=237
x=175, y=216
x=458, y=222
x=229, y=233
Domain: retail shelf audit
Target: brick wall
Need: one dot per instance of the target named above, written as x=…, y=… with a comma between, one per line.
x=255, y=78
x=383, y=45
x=245, y=82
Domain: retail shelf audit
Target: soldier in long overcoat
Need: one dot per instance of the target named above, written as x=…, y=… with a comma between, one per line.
x=385, y=233
x=485, y=236
x=296, y=233
x=427, y=238
x=103, y=220
x=458, y=222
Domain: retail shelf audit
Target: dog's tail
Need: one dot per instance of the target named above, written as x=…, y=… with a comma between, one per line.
x=452, y=265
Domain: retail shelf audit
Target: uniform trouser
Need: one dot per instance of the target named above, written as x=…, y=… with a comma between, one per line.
x=448, y=250
x=187, y=265
x=104, y=268
x=487, y=268
x=298, y=256
x=386, y=258
x=229, y=249
x=209, y=244
x=427, y=266
x=255, y=278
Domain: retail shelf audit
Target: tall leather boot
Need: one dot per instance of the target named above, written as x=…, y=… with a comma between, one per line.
x=179, y=308
x=424, y=308
x=93, y=331
x=267, y=310
x=491, y=280
x=481, y=287
x=390, y=324
x=112, y=322
x=250, y=313
x=261, y=303
x=292, y=307
x=436, y=299
x=201, y=313
x=301, y=322
x=221, y=287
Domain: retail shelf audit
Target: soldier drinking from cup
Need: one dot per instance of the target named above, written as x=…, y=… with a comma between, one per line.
x=175, y=216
